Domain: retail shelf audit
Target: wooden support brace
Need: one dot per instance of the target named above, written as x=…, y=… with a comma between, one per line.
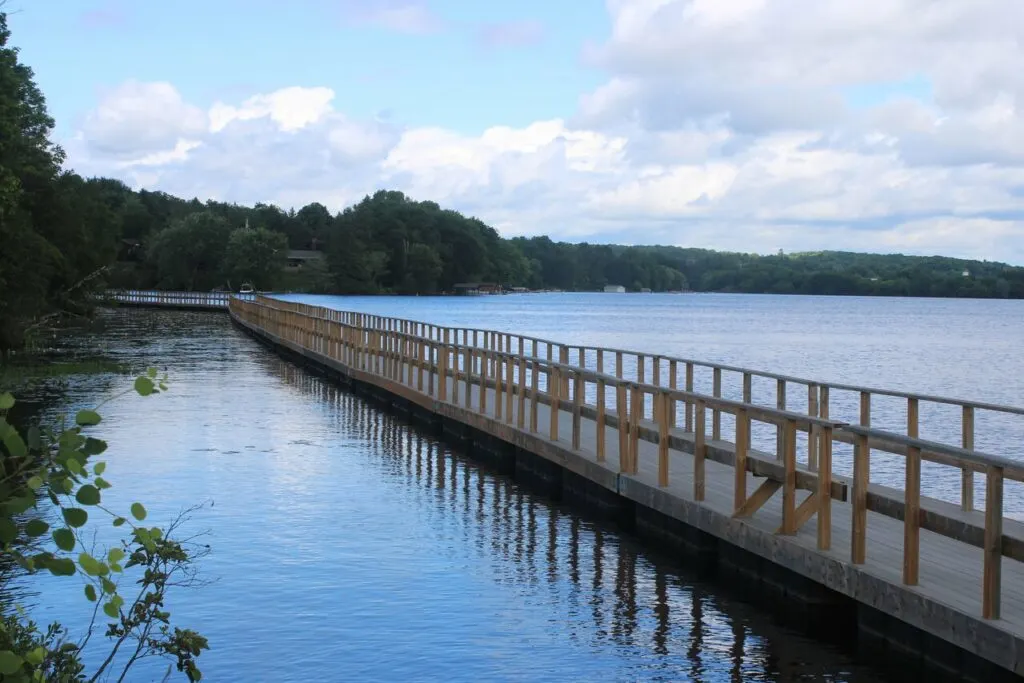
x=758, y=498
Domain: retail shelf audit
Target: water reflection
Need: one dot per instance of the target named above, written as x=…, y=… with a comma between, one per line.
x=348, y=545
x=599, y=589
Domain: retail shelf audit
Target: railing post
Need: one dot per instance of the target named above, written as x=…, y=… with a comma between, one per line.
x=521, y=388
x=554, y=383
x=484, y=364
x=789, y=522
x=563, y=359
x=813, y=429
x=689, y=407
x=967, y=474
x=825, y=489
x=468, y=363
x=510, y=382
x=499, y=368
x=700, y=450
x=577, y=409
x=739, y=486
x=716, y=413
x=673, y=383
x=991, y=591
x=637, y=405
x=431, y=366
x=600, y=421
x=663, y=453
x=861, y=465
x=780, y=403
x=623, y=427
x=534, y=392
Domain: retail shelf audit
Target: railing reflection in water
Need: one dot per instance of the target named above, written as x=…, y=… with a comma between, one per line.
x=611, y=593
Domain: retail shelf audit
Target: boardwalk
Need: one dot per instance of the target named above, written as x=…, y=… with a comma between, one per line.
x=168, y=299
x=950, y=570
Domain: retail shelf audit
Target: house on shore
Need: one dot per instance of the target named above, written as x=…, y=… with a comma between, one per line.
x=298, y=258
x=615, y=289
x=476, y=288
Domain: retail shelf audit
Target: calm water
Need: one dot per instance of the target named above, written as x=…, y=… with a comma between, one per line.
x=347, y=546
x=970, y=349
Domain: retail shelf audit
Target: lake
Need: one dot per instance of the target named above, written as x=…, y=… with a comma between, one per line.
x=348, y=545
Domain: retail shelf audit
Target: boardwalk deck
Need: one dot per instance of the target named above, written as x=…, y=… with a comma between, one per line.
x=658, y=469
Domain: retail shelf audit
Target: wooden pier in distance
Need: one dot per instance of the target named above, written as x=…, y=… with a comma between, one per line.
x=921, y=574
x=156, y=298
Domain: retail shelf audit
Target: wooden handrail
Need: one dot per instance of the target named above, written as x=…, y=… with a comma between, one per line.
x=818, y=391
x=404, y=351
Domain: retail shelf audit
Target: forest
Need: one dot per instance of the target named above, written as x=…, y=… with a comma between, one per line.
x=63, y=237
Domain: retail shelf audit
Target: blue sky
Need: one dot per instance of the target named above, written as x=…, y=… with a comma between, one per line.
x=748, y=125
x=221, y=49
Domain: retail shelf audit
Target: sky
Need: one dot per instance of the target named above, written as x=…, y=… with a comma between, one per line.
x=745, y=125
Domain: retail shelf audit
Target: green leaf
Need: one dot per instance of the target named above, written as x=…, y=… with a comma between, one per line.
x=144, y=385
x=94, y=446
x=36, y=655
x=87, y=418
x=115, y=555
x=64, y=539
x=138, y=511
x=110, y=610
x=91, y=566
x=34, y=438
x=68, y=485
x=118, y=521
x=15, y=445
x=151, y=373
x=35, y=482
x=7, y=400
x=75, y=517
x=9, y=662
x=88, y=495
x=101, y=483
x=74, y=467
x=61, y=567
x=108, y=586
x=99, y=469
x=8, y=530
x=90, y=592
x=16, y=506
x=36, y=527
x=53, y=498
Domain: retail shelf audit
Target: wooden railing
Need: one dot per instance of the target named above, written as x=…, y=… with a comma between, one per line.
x=155, y=297
x=847, y=403
x=525, y=373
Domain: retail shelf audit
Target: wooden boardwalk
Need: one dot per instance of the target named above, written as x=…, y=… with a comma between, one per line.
x=949, y=570
x=217, y=301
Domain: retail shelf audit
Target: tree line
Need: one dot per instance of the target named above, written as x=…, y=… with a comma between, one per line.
x=63, y=236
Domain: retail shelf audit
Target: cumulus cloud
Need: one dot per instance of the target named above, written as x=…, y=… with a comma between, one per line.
x=721, y=124
x=136, y=119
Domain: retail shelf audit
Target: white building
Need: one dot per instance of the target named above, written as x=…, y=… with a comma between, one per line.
x=616, y=289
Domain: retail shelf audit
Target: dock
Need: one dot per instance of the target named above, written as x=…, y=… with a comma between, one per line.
x=156, y=298
x=916, y=574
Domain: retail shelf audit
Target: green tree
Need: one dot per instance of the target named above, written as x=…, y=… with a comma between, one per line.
x=29, y=164
x=190, y=253
x=255, y=256
x=423, y=268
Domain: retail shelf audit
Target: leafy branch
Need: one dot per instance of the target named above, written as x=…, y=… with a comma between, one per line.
x=56, y=467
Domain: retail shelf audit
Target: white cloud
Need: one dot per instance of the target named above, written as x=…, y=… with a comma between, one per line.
x=291, y=108
x=723, y=124
x=137, y=119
